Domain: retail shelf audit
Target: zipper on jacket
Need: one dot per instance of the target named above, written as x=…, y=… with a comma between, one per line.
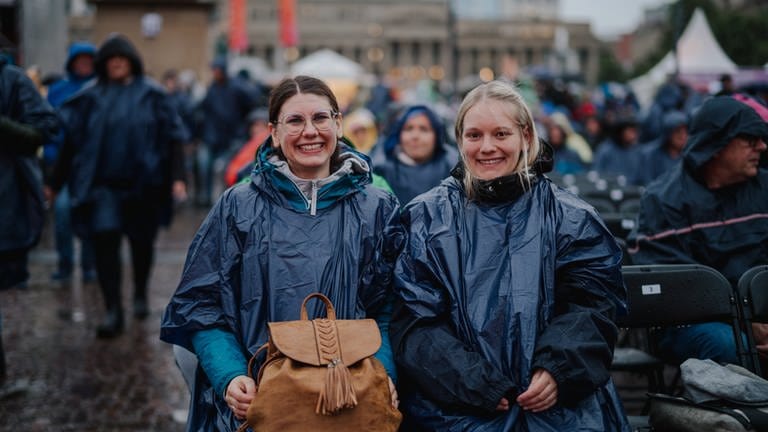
x=313, y=200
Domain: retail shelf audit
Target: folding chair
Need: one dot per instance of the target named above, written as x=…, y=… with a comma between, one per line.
x=671, y=295
x=753, y=290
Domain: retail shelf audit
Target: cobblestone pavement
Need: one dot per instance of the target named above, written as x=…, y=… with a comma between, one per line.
x=71, y=379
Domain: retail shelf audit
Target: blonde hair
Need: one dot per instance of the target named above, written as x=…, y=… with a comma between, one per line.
x=518, y=110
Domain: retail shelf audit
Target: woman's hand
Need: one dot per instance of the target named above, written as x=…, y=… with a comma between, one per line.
x=240, y=391
x=541, y=394
x=393, y=393
x=503, y=405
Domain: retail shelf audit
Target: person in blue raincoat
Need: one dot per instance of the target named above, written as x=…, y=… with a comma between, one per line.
x=660, y=155
x=80, y=70
x=710, y=209
x=122, y=161
x=619, y=155
x=309, y=220
x=415, y=156
x=507, y=289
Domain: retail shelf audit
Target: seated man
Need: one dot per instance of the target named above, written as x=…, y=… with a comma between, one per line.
x=710, y=209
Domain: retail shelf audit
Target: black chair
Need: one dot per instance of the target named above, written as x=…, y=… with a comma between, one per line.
x=753, y=290
x=671, y=295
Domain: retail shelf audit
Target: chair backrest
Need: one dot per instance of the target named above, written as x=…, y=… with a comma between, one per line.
x=753, y=288
x=663, y=295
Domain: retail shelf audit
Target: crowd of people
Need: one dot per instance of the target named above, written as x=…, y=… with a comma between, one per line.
x=494, y=288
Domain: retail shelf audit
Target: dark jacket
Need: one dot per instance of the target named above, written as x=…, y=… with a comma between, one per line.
x=26, y=121
x=682, y=221
x=655, y=159
x=613, y=159
x=408, y=181
x=260, y=252
x=100, y=173
x=224, y=110
x=489, y=290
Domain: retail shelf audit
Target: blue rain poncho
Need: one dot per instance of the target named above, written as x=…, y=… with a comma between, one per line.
x=489, y=290
x=260, y=252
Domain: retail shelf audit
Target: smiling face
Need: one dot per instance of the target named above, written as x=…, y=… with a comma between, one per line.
x=309, y=152
x=417, y=138
x=492, y=140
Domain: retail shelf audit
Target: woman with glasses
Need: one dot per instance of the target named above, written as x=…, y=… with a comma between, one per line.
x=308, y=221
x=506, y=290
x=415, y=156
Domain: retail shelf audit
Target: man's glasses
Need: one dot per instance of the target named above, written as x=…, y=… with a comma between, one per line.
x=752, y=141
x=295, y=123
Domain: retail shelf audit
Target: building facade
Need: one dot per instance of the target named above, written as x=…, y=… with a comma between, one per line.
x=417, y=38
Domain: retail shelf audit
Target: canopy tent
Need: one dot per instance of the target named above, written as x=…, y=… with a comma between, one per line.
x=698, y=53
x=342, y=75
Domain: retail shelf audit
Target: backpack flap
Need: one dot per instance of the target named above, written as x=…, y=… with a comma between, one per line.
x=315, y=342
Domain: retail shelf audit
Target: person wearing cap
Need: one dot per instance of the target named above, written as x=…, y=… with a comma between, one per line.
x=80, y=70
x=122, y=161
x=661, y=154
x=709, y=209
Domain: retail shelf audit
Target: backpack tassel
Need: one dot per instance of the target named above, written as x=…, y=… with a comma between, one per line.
x=338, y=392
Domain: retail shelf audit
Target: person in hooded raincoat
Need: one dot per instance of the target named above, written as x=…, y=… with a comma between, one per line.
x=309, y=220
x=507, y=289
x=80, y=70
x=661, y=154
x=415, y=156
x=122, y=161
x=709, y=209
x=26, y=122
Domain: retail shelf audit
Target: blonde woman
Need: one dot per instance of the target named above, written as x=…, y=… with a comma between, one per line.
x=507, y=289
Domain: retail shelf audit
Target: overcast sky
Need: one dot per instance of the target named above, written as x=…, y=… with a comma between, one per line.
x=608, y=17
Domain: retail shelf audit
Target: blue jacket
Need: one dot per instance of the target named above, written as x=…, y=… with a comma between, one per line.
x=682, y=221
x=408, y=181
x=225, y=108
x=63, y=89
x=487, y=291
x=26, y=121
x=260, y=252
x=655, y=159
x=611, y=159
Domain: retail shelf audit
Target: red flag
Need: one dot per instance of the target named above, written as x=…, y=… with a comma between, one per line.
x=289, y=33
x=238, y=33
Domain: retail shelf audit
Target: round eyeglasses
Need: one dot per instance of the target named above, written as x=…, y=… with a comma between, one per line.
x=296, y=123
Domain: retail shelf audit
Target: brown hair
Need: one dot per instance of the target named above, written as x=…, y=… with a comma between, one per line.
x=504, y=92
x=289, y=87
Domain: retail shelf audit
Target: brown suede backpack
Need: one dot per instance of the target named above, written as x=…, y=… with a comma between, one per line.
x=320, y=375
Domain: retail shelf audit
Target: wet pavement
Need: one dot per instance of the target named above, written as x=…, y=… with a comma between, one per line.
x=70, y=380
x=67, y=379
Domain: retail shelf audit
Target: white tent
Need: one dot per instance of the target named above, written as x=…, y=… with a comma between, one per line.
x=698, y=52
x=326, y=63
